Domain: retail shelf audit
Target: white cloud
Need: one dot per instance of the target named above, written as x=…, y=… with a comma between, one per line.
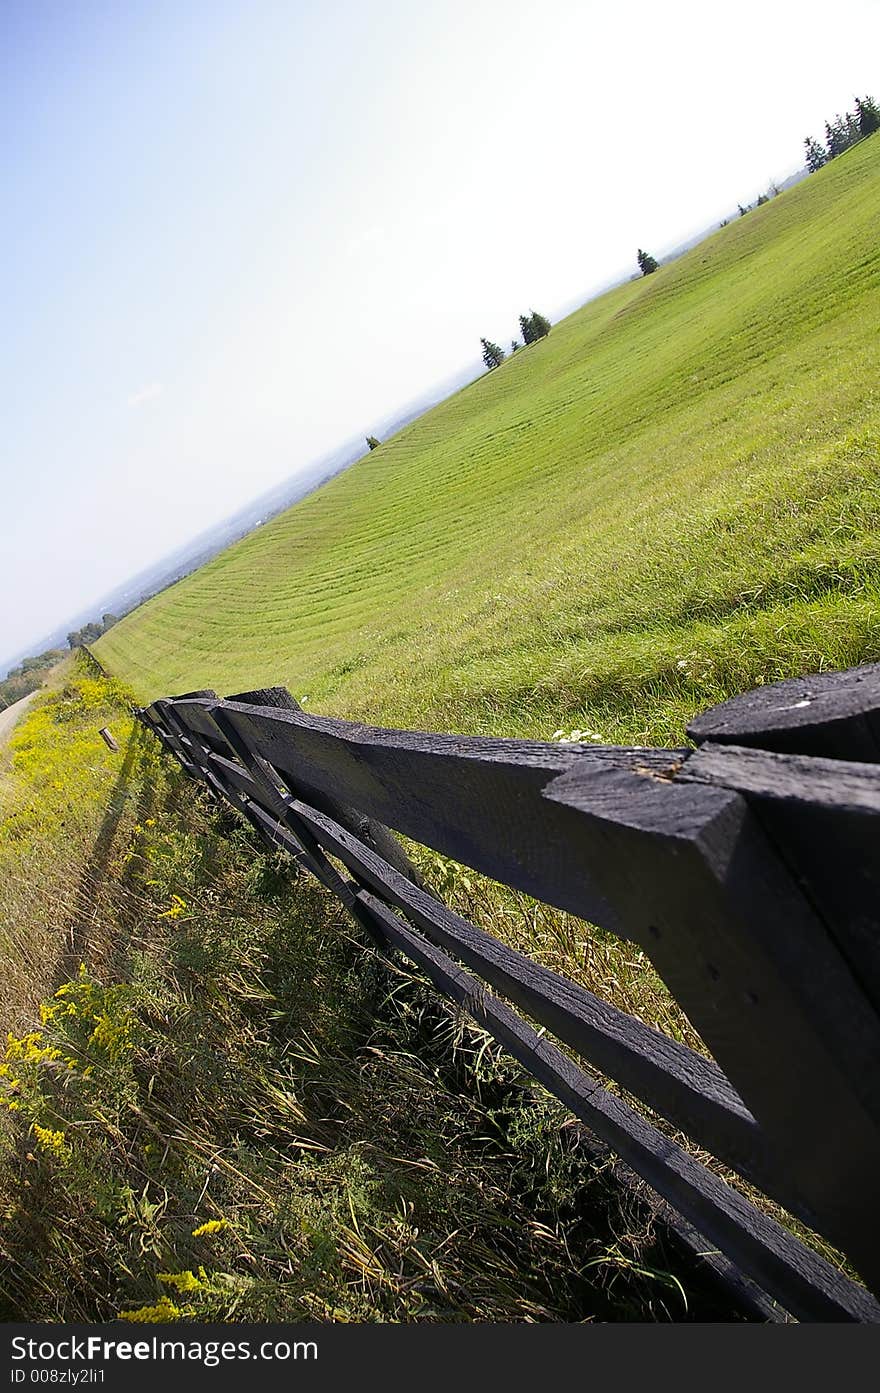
x=145, y=394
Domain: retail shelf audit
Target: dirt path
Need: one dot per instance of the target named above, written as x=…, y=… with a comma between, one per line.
x=12, y=714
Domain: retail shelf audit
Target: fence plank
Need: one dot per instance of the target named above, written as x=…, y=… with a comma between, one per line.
x=476, y=800
x=194, y=712
x=280, y=814
x=680, y=1085
x=365, y=828
x=163, y=713
x=830, y=714
x=803, y=1282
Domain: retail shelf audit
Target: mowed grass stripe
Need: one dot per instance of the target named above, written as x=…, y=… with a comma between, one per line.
x=672, y=497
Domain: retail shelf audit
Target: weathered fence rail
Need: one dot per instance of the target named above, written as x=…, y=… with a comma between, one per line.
x=747, y=869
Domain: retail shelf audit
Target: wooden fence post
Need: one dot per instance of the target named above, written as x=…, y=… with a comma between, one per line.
x=701, y=889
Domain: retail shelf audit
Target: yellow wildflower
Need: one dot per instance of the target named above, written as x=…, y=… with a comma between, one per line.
x=184, y=1281
x=112, y=1036
x=164, y=1309
x=29, y=1049
x=212, y=1226
x=177, y=908
x=52, y=1141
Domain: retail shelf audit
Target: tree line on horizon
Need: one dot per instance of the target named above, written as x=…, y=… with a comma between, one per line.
x=532, y=326
x=78, y=638
x=843, y=132
x=25, y=677
x=28, y=675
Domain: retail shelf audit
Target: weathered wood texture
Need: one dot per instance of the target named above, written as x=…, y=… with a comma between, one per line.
x=748, y=875
x=823, y=816
x=832, y=714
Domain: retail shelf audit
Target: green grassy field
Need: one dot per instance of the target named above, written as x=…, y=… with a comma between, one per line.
x=670, y=499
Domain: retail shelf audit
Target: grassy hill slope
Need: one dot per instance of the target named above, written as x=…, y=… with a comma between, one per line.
x=671, y=498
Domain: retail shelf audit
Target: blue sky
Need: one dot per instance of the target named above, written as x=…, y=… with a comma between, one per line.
x=236, y=234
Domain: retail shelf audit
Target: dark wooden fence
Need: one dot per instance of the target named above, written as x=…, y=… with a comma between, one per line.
x=746, y=869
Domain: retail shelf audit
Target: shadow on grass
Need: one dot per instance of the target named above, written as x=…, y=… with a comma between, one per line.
x=85, y=922
x=35, y=1223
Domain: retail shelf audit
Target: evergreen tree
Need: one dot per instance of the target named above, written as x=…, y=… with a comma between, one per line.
x=816, y=155
x=493, y=356
x=540, y=325
x=513, y=345
x=868, y=115
x=853, y=133
x=836, y=137
x=525, y=327
x=647, y=264
x=373, y=442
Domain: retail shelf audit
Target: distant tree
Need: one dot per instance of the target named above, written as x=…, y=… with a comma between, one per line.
x=525, y=328
x=513, y=345
x=853, y=130
x=843, y=132
x=540, y=326
x=837, y=137
x=868, y=115
x=762, y=199
x=75, y=638
x=743, y=210
x=108, y=620
x=27, y=676
x=647, y=264
x=816, y=155
x=493, y=356
x=373, y=442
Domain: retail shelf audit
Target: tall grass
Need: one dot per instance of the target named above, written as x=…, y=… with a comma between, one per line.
x=227, y=1107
